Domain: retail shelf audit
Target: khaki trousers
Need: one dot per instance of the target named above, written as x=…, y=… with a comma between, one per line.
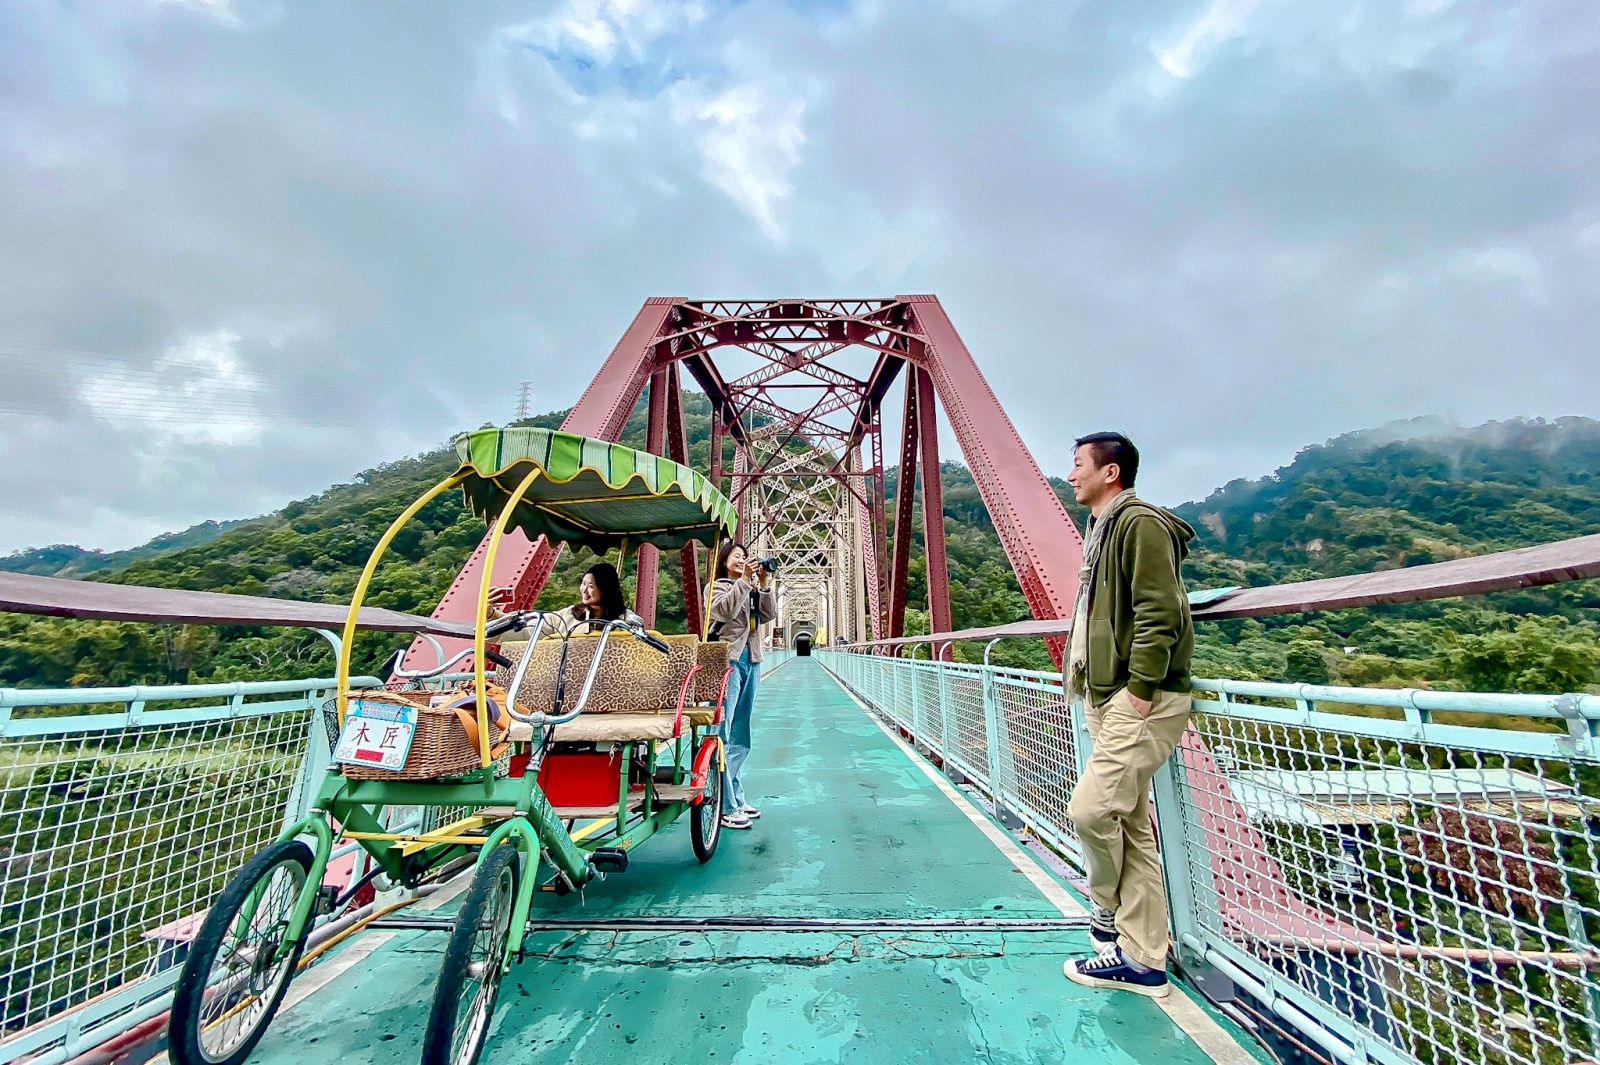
x=1110, y=808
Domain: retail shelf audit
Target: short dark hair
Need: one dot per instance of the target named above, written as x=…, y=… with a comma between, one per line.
x=1113, y=447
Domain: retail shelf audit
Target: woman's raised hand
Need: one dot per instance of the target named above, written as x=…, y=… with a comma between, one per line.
x=502, y=600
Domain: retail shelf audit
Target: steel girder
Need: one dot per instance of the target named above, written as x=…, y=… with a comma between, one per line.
x=932, y=508
x=904, y=500
x=649, y=568
x=1039, y=538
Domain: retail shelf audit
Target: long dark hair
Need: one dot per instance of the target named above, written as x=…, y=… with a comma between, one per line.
x=722, y=557
x=612, y=604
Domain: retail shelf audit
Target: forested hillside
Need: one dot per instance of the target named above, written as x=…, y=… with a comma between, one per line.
x=312, y=549
x=1402, y=495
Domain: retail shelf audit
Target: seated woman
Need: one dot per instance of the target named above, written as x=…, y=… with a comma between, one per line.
x=600, y=600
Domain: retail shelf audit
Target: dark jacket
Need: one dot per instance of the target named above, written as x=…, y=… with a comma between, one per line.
x=1140, y=633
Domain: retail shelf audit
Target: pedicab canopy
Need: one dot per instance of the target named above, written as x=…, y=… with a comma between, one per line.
x=590, y=493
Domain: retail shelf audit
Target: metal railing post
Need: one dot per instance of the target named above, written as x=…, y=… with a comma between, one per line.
x=313, y=767
x=949, y=732
x=918, y=731
x=894, y=696
x=1580, y=939
x=991, y=735
x=1078, y=720
x=1177, y=862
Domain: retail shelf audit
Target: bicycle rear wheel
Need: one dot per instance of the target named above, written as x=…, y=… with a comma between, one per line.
x=705, y=818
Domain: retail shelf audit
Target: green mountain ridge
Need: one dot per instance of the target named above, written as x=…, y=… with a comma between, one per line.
x=70, y=560
x=1401, y=494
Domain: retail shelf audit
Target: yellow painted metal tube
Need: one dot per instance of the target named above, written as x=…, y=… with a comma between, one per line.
x=348, y=641
x=480, y=679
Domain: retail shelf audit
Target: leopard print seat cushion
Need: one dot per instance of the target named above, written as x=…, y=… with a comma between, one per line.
x=633, y=678
x=713, y=659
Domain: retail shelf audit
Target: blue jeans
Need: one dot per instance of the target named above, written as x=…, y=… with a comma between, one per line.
x=736, y=708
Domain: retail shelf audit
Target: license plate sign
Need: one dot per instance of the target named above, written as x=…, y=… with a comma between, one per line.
x=376, y=734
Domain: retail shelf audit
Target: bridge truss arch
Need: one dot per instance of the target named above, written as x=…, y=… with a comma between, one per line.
x=798, y=390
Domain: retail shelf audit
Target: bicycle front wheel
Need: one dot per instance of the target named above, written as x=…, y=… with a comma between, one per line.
x=240, y=964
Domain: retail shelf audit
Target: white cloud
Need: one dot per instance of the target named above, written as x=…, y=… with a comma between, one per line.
x=222, y=10
x=749, y=139
x=235, y=14
x=1224, y=20
x=198, y=391
x=1317, y=230
x=1504, y=264
x=603, y=31
x=1588, y=231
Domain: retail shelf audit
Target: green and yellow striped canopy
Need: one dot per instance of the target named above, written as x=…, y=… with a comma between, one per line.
x=590, y=493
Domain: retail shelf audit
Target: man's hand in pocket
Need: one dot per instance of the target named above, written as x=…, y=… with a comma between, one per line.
x=1140, y=706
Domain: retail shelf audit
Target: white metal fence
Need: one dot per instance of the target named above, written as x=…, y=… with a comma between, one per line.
x=1399, y=876
x=122, y=812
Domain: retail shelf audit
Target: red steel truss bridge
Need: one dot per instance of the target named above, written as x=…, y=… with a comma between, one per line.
x=1355, y=875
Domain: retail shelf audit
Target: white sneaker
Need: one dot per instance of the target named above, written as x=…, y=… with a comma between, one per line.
x=750, y=811
x=737, y=819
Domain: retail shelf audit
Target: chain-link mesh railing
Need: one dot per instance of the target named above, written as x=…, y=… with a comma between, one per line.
x=1402, y=876
x=122, y=813
x=1006, y=730
x=1426, y=869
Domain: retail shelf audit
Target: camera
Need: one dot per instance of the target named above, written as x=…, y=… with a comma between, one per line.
x=768, y=564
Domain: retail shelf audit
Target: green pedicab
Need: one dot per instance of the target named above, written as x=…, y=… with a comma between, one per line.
x=554, y=783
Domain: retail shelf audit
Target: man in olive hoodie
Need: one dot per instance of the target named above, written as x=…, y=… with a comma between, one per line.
x=1128, y=664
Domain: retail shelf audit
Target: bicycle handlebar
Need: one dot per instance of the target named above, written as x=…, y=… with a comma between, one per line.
x=423, y=674
x=517, y=621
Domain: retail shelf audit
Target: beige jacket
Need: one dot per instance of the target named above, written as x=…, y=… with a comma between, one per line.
x=730, y=608
x=566, y=621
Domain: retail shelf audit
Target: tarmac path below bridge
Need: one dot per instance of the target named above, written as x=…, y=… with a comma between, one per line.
x=852, y=827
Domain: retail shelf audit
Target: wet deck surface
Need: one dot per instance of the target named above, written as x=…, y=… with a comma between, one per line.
x=852, y=827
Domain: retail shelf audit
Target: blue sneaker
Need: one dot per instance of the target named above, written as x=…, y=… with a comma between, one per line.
x=1113, y=970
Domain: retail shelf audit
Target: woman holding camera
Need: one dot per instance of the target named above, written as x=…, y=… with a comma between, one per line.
x=740, y=603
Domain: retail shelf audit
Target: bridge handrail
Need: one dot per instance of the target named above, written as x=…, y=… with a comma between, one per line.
x=136, y=697
x=1420, y=886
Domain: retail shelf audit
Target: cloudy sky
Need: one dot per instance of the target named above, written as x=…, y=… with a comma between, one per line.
x=248, y=248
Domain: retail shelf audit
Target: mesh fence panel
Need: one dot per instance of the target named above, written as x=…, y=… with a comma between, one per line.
x=110, y=834
x=969, y=746
x=927, y=712
x=1038, y=755
x=1443, y=898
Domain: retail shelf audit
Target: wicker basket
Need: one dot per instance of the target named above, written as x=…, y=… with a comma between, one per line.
x=440, y=748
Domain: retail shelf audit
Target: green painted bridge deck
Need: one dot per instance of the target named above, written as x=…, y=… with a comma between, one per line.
x=853, y=826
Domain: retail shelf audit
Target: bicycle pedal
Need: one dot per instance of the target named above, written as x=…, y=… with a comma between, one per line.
x=610, y=860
